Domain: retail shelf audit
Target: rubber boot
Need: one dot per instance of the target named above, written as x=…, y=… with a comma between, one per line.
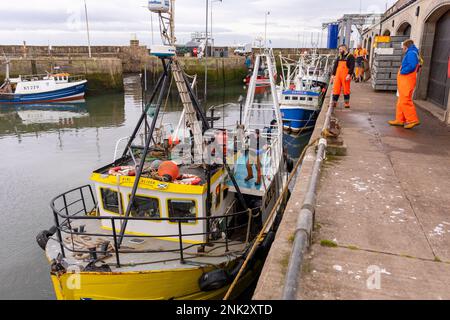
x=258, y=172
x=249, y=172
x=412, y=124
x=396, y=123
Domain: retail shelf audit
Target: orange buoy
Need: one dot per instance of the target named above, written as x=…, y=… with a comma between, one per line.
x=169, y=168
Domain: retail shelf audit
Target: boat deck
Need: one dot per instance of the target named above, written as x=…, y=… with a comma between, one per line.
x=214, y=254
x=247, y=187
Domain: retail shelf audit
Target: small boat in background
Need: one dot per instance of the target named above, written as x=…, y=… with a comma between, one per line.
x=51, y=87
x=303, y=89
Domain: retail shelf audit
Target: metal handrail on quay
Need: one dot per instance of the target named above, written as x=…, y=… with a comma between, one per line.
x=305, y=222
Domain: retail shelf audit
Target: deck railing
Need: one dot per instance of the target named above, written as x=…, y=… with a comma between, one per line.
x=79, y=204
x=37, y=77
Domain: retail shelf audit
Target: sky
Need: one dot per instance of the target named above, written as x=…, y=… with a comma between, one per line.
x=291, y=23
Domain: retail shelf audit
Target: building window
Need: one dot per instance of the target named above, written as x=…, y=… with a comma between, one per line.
x=145, y=207
x=182, y=209
x=110, y=200
x=295, y=98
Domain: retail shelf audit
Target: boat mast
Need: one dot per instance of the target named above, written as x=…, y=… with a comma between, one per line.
x=7, y=70
x=7, y=62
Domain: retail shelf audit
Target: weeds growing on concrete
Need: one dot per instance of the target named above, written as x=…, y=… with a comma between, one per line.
x=328, y=243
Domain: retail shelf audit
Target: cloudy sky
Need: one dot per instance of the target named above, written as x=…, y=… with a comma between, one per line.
x=62, y=22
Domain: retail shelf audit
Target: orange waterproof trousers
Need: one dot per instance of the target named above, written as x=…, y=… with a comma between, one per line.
x=359, y=71
x=340, y=82
x=406, y=111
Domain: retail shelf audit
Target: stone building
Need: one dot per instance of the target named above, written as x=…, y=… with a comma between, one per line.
x=427, y=22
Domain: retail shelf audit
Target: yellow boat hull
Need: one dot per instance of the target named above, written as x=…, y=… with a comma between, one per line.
x=180, y=284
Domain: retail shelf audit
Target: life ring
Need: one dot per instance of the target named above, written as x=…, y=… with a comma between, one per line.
x=122, y=171
x=188, y=179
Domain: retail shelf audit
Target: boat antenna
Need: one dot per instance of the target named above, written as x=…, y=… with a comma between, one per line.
x=206, y=58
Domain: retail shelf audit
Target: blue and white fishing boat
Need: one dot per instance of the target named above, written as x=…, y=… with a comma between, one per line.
x=51, y=87
x=302, y=90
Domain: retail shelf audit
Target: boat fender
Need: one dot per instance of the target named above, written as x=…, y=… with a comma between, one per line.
x=43, y=236
x=264, y=247
x=233, y=273
x=213, y=280
x=289, y=165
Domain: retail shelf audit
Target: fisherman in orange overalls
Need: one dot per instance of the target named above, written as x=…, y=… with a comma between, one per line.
x=406, y=115
x=360, y=55
x=342, y=75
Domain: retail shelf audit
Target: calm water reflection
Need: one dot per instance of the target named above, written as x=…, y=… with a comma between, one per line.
x=46, y=150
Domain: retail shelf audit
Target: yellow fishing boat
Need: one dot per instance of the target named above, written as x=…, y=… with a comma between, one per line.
x=176, y=215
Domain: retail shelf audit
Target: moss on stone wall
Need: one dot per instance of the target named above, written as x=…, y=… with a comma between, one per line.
x=99, y=83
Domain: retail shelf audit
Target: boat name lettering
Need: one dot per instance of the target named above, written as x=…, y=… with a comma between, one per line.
x=31, y=88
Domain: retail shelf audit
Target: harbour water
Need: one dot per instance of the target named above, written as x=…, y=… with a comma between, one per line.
x=47, y=150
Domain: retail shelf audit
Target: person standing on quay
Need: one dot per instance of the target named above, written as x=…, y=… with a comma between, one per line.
x=406, y=115
x=360, y=55
x=342, y=75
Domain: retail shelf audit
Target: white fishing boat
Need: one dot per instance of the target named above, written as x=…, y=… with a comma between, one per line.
x=43, y=88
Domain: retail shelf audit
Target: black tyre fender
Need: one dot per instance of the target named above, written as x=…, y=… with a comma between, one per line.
x=43, y=236
x=289, y=165
x=233, y=272
x=264, y=247
x=213, y=280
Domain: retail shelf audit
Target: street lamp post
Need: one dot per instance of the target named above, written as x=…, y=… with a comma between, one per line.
x=87, y=29
x=265, y=30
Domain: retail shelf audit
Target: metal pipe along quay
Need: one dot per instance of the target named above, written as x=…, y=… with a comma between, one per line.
x=304, y=228
x=303, y=232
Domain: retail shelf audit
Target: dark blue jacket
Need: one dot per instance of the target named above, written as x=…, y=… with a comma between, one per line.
x=410, y=61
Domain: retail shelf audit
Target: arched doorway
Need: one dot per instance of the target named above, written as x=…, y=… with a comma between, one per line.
x=438, y=83
x=404, y=29
x=386, y=32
